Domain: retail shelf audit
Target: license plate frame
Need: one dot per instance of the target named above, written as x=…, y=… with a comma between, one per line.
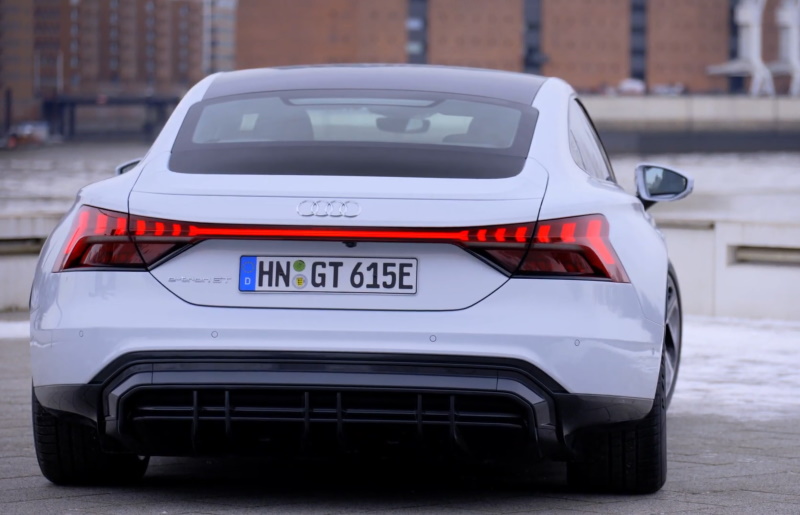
x=328, y=274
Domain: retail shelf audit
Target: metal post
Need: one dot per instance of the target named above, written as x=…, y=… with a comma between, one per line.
x=71, y=120
x=9, y=98
x=60, y=73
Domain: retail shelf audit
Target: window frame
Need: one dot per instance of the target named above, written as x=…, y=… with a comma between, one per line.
x=576, y=106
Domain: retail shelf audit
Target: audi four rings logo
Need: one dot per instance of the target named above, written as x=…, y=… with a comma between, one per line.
x=333, y=208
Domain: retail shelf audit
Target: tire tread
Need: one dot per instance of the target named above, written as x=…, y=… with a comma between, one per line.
x=69, y=453
x=627, y=458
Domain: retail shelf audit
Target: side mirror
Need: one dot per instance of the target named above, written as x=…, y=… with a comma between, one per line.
x=656, y=183
x=127, y=166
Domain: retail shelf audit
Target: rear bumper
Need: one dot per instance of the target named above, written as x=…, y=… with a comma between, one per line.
x=589, y=336
x=190, y=402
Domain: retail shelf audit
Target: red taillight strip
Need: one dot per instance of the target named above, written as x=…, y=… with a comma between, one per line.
x=347, y=234
x=80, y=230
x=568, y=232
x=543, y=234
x=595, y=237
x=96, y=233
x=122, y=226
x=576, y=247
x=102, y=223
x=568, y=241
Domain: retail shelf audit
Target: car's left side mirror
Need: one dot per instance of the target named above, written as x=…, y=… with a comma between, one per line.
x=127, y=166
x=656, y=183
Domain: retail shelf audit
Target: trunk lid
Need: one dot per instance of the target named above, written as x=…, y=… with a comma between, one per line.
x=446, y=276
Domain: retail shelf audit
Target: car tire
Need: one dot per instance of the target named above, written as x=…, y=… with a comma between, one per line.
x=69, y=453
x=628, y=458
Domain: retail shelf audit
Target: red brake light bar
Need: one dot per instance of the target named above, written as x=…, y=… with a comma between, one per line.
x=102, y=238
x=577, y=247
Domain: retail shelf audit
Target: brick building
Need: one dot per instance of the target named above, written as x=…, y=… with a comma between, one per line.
x=466, y=33
x=106, y=48
x=125, y=47
x=145, y=47
x=587, y=42
x=289, y=32
x=17, y=101
x=590, y=43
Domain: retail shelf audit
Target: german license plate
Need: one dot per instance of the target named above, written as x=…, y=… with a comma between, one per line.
x=327, y=274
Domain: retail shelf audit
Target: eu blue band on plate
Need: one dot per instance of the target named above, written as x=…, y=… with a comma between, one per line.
x=247, y=273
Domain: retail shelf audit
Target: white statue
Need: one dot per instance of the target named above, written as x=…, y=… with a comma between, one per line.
x=787, y=17
x=748, y=62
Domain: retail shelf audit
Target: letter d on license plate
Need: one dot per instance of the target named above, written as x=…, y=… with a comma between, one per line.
x=327, y=274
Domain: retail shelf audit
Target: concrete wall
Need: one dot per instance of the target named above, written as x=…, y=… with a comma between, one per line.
x=714, y=282
x=695, y=113
x=20, y=239
x=16, y=276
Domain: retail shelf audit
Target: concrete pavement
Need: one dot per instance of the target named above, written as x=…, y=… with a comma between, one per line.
x=744, y=458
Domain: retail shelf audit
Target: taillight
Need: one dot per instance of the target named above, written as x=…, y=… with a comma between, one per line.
x=99, y=238
x=569, y=247
x=102, y=239
x=573, y=247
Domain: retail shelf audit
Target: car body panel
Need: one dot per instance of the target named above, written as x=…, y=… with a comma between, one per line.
x=530, y=183
x=208, y=274
x=516, y=87
x=588, y=335
x=640, y=246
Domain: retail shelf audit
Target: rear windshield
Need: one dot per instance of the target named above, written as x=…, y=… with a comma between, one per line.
x=355, y=133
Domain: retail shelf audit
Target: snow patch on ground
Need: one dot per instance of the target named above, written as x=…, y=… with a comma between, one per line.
x=748, y=370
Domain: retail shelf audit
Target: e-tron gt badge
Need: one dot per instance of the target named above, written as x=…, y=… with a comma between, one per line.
x=332, y=208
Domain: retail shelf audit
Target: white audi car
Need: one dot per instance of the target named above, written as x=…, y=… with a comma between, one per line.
x=363, y=260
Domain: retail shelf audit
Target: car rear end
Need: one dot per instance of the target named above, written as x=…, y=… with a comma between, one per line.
x=341, y=269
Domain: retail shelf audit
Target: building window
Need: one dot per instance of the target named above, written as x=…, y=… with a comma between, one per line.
x=735, y=84
x=415, y=48
x=533, y=36
x=415, y=24
x=416, y=27
x=639, y=39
